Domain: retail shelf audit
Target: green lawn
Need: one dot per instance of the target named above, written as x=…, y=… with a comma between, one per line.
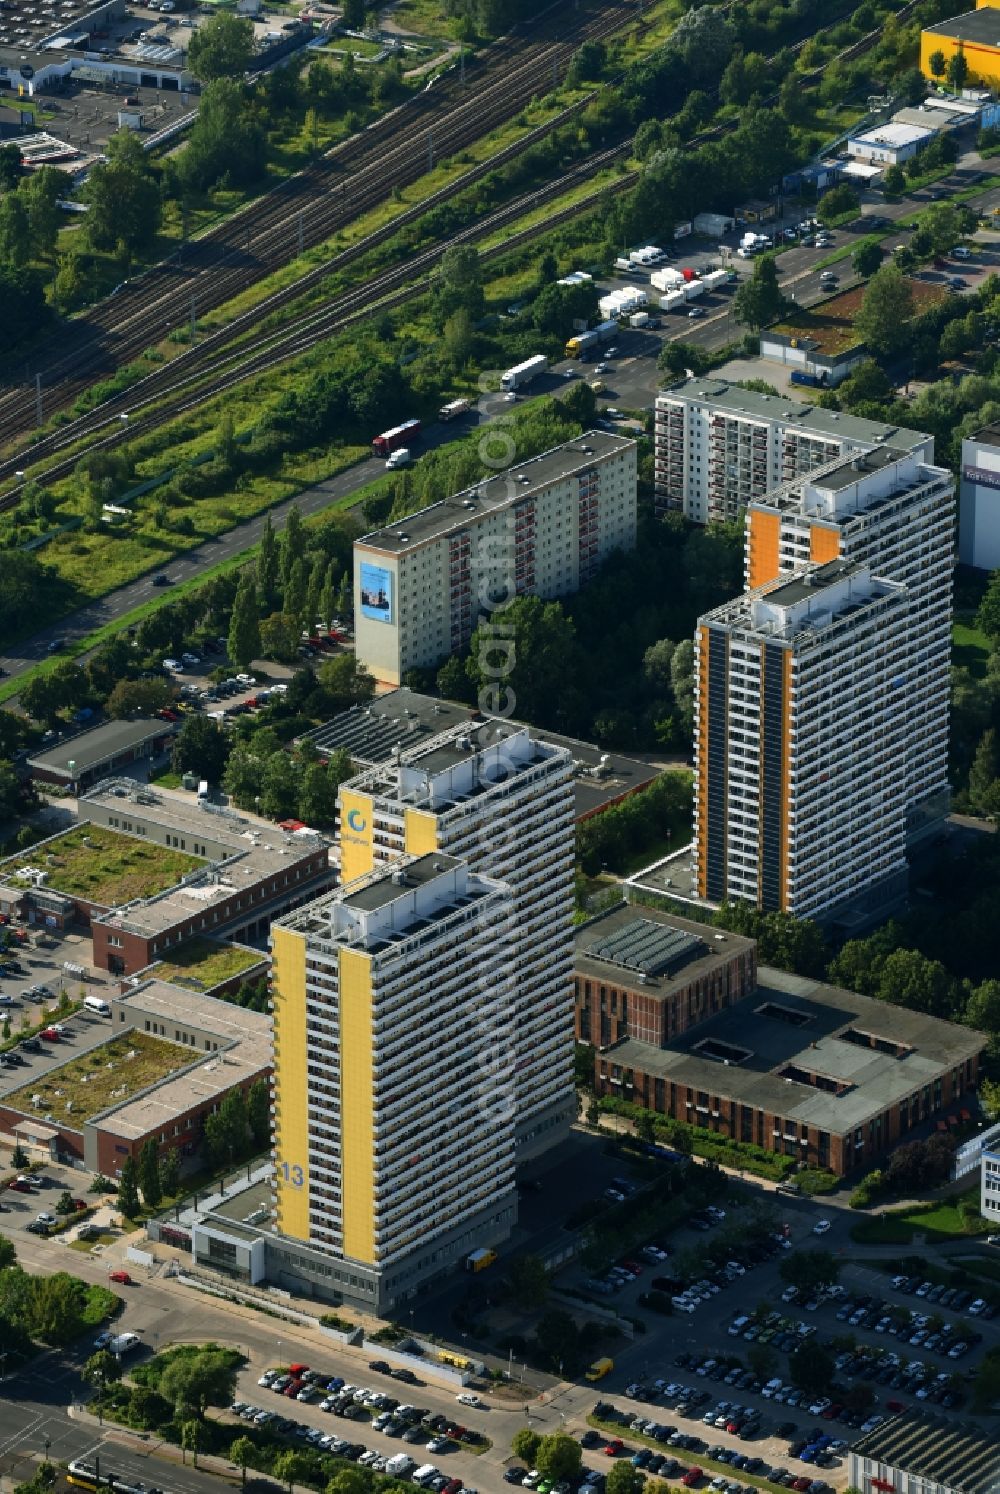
x=105, y=867
x=112, y=1072
x=202, y=963
x=970, y=649
x=949, y=1219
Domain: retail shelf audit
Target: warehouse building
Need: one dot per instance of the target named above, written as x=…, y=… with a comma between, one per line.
x=925, y=1454
x=806, y=1070
x=542, y=528
x=890, y=144
x=976, y=35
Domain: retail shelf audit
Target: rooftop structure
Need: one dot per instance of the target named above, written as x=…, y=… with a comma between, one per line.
x=925, y=1451
x=403, y=719
x=99, y=866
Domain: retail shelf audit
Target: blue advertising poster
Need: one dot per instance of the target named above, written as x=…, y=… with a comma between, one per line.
x=376, y=593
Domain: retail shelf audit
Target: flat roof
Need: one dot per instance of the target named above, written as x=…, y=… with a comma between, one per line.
x=385, y=890
x=495, y=493
x=981, y=26
x=786, y=411
x=761, y=1050
x=100, y=744
x=246, y=1050
x=802, y=588
x=406, y=719
x=941, y=1449
x=894, y=134
x=598, y=953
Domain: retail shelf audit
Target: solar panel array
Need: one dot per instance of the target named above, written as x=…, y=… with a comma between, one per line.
x=648, y=947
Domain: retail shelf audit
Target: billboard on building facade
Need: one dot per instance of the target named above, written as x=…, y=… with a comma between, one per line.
x=376, y=592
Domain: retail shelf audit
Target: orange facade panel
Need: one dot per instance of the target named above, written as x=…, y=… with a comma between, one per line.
x=702, y=707
x=763, y=541
x=824, y=544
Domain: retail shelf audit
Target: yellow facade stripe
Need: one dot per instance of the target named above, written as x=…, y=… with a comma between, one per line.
x=419, y=832
x=291, y=1127
x=763, y=546
x=703, y=762
x=984, y=61
x=357, y=856
x=786, y=777
x=824, y=544
x=357, y=1068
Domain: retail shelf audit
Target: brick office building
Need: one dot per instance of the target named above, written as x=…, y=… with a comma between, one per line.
x=642, y=974
x=829, y=1077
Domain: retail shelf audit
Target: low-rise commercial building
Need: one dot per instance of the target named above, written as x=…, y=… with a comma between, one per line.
x=920, y=1453
x=645, y=974
x=541, y=528
x=806, y=1070
x=219, y=1048
x=78, y=762
x=890, y=144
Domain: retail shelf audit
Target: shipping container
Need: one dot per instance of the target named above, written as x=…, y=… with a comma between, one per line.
x=399, y=435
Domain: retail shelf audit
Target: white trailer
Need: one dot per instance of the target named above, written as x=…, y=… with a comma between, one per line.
x=648, y=255
x=693, y=289
x=639, y=319
x=714, y=279
x=673, y=300
x=666, y=280
x=523, y=373
x=713, y=225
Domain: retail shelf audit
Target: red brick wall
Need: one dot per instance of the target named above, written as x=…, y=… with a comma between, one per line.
x=112, y=1150
x=630, y=1011
x=70, y=1142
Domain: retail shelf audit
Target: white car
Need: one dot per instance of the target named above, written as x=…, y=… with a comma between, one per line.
x=467, y=1398
x=960, y=252
x=821, y=1226
x=695, y=313
x=736, y=1268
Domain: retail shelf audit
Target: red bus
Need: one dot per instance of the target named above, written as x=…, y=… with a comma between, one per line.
x=399, y=436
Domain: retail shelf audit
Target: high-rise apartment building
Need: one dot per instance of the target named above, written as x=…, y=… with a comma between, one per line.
x=979, y=500
x=800, y=726
x=502, y=801
x=719, y=447
x=393, y=1106
x=891, y=511
x=541, y=528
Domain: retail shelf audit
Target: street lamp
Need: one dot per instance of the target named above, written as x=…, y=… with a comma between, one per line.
x=47, y=1441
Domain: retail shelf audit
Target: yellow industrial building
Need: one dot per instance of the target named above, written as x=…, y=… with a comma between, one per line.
x=976, y=34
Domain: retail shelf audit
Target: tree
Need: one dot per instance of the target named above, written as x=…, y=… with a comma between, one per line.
x=41, y=193
x=259, y=1111
x=346, y=682
x=11, y=169
x=938, y=64
x=908, y=978
x=459, y=336
x=267, y=565
x=528, y=652
x=623, y=1478
x=811, y=1368
x=241, y=1451
x=295, y=590
x=809, y=1270
x=56, y=1308
x=138, y=698
x=984, y=771
x=170, y=1172
x=580, y=402
x=353, y=14
x=149, y=1174
x=559, y=1457
x=244, y=626
x=128, y=1189
x=280, y=786
x=759, y=300
x=124, y=198
x=885, y=311
x=279, y=637
x=22, y=296
x=227, y=141
x=191, y=1438
x=645, y=1126
x=866, y=259
x=222, y=47
x=982, y=1010
x=293, y=543
x=460, y=283
x=529, y=1281
x=525, y=1444
x=8, y=1255
x=894, y=181
x=957, y=70
x=201, y=747
x=15, y=235
x=317, y=797
x=762, y=1360
x=204, y=1378
x=65, y=1204
x=292, y=1468
x=836, y=202
x=101, y=1369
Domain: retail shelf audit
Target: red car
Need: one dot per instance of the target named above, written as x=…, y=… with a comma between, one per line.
x=614, y=1447
x=293, y=1389
x=692, y=1476
x=122, y=1278
x=18, y=1186
x=50, y=1035
x=297, y=1370
x=801, y=1484
x=633, y=1266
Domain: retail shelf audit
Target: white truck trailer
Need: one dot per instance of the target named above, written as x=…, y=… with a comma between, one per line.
x=523, y=373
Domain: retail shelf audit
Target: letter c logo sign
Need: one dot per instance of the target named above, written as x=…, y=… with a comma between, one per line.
x=355, y=820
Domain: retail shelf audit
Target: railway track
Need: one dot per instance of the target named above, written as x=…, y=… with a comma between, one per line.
x=307, y=209
x=212, y=367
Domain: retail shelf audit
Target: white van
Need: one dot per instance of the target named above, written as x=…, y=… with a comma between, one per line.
x=424, y=1474
x=97, y=1005
x=399, y=1465
x=402, y=457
